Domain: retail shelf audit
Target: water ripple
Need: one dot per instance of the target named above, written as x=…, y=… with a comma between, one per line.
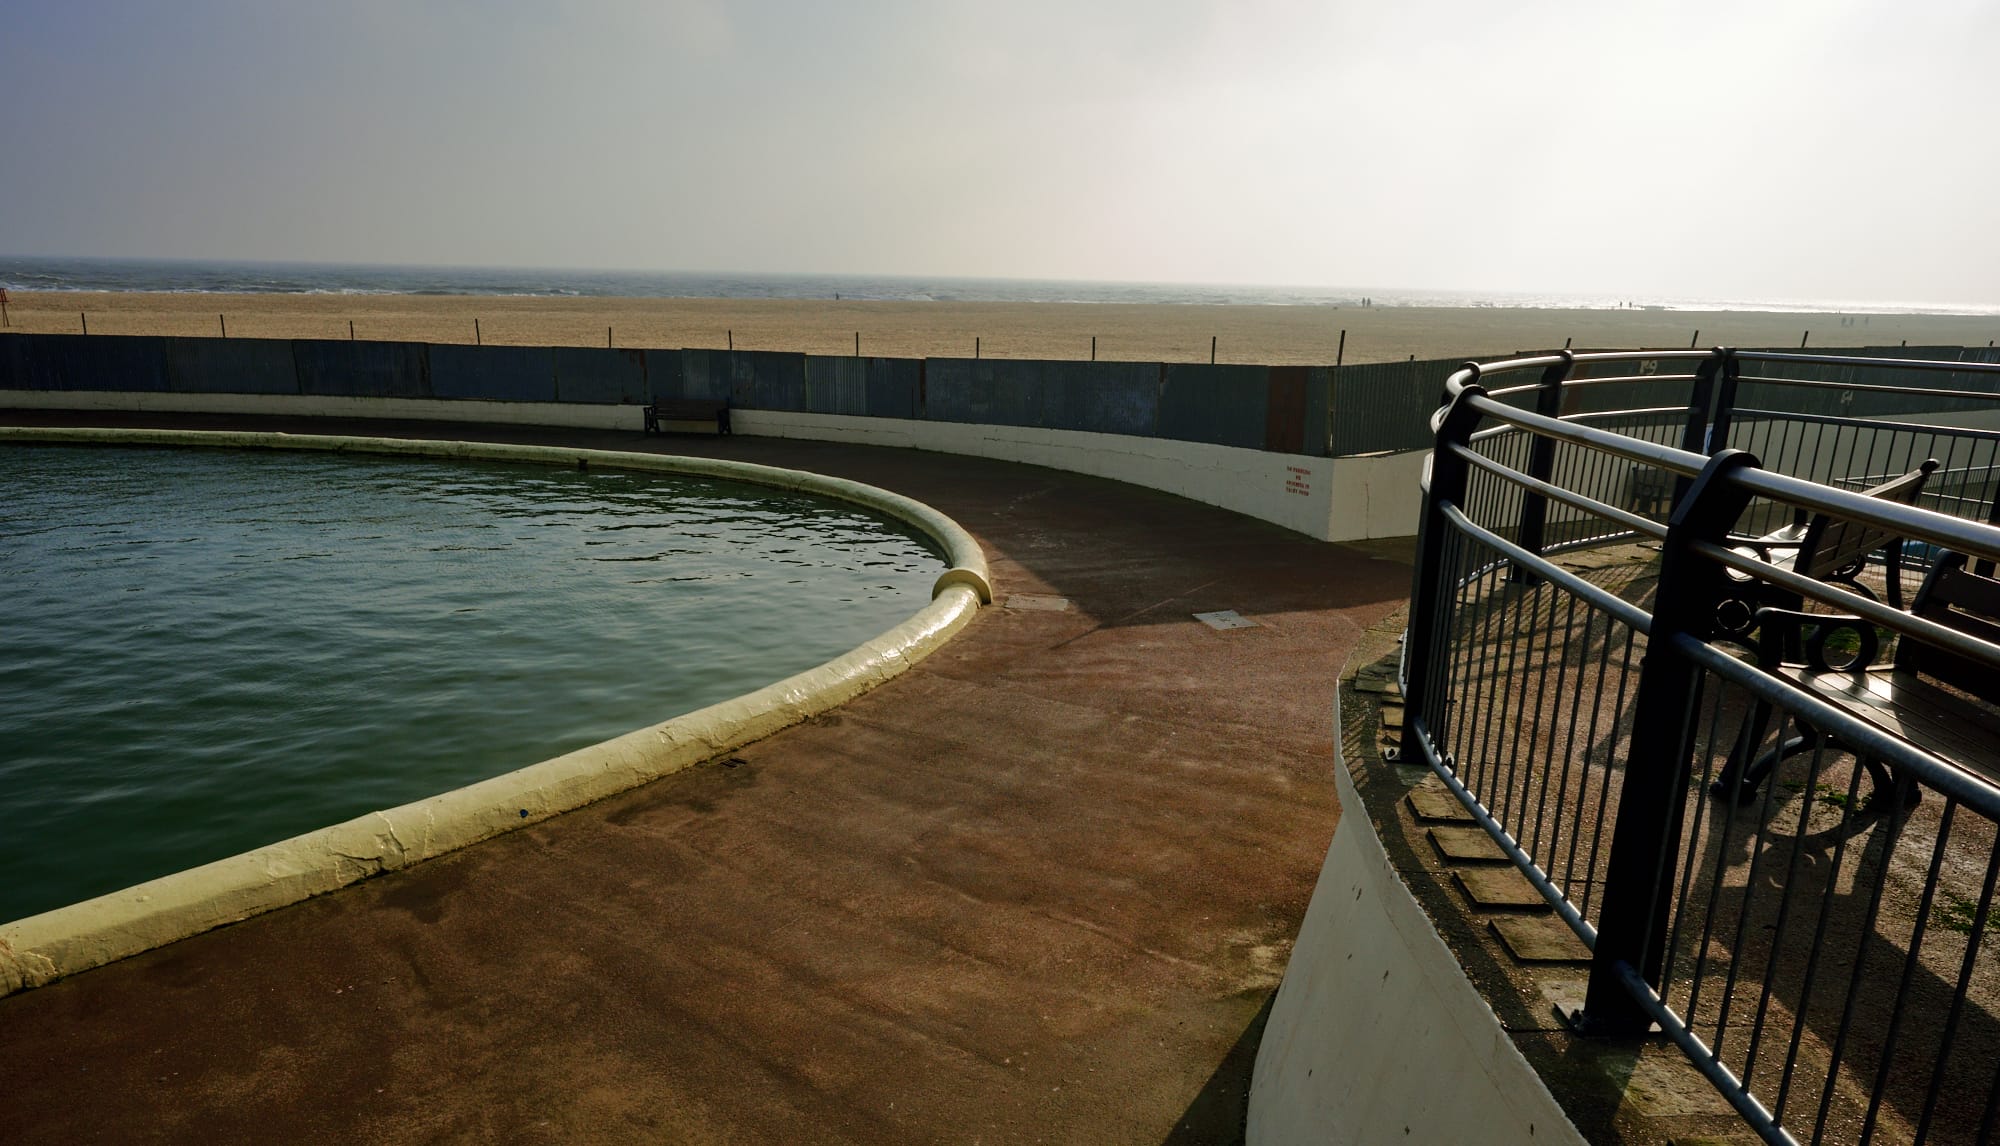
x=322, y=635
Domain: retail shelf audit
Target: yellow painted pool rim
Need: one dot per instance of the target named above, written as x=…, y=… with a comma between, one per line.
x=42, y=948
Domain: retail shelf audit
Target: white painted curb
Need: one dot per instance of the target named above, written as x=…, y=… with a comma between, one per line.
x=41, y=948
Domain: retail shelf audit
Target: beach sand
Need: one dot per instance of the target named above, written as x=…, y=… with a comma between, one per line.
x=1274, y=335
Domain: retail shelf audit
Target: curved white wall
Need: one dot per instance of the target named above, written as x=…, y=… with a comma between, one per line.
x=1376, y=1034
x=1333, y=499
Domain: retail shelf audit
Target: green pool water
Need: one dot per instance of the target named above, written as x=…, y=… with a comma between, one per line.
x=206, y=651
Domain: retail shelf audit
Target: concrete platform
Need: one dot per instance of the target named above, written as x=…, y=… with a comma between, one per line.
x=1037, y=889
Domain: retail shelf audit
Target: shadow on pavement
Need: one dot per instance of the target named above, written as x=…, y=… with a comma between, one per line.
x=1217, y=1113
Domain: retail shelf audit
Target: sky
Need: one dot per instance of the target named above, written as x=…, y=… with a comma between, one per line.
x=1736, y=149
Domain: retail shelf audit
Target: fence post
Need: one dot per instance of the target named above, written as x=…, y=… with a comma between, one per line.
x=1443, y=483
x=1541, y=466
x=1652, y=801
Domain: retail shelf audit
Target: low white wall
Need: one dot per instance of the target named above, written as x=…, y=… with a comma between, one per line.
x=1376, y=1034
x=1332, y=499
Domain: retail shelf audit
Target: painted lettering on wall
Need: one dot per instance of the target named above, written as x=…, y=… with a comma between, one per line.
x=1298, y=479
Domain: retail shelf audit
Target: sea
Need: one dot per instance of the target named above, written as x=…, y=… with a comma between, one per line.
x=24, y=273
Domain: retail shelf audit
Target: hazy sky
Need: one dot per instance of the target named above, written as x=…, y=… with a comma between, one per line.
x=1821, y=150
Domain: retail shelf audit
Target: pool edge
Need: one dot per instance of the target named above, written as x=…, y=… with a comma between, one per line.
x=39, y=949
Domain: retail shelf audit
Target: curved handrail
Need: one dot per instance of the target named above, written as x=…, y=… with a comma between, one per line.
x=1501, y=641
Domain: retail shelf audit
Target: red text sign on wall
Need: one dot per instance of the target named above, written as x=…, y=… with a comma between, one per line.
x=1298, y=479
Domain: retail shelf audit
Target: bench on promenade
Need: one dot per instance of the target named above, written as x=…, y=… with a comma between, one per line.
x=1942, y=701
x=711, y=410
x=1824, y=548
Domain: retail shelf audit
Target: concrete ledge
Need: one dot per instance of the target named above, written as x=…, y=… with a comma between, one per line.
x=41, y=948
x=1376, y=1034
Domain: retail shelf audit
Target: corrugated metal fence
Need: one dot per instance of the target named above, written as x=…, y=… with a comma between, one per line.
x=1315, y=410
x=1387, y=405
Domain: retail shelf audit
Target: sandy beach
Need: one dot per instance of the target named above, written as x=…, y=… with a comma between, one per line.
x=1276, y=335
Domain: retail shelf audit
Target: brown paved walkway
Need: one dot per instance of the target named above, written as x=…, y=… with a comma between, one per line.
x=1035, y=890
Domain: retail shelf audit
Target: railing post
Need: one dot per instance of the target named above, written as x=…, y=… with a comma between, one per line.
x=1444, y=483
x=1724, y=403
x=1694, y=431
x=1652, y=801
x=1541, y=466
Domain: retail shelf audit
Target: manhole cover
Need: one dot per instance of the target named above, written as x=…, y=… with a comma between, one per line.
x=1226, y=619
x=1044, y=604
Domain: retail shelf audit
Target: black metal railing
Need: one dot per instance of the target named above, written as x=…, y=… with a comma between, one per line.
x=1818, y=946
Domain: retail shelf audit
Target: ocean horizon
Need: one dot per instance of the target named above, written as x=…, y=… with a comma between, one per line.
x=191, y=276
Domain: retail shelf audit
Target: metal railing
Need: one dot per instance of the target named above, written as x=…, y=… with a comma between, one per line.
x=1822, y=954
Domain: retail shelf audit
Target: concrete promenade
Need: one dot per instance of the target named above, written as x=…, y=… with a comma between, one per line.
x=1037, y=889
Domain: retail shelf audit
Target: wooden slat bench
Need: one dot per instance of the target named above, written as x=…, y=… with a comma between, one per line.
x=712, y=410
x=1941, y=701
x=1824, y=548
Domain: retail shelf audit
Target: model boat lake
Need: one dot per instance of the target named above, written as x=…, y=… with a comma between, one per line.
x=202, y=652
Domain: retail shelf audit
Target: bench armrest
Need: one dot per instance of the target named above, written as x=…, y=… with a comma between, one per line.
x=1762, y=546
x=1782, y=631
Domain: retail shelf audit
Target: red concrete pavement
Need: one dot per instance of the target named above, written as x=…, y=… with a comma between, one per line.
x=1037, y=889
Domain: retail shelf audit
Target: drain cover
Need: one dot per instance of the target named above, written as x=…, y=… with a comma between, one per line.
x=1226, y=619
x=1044, y=604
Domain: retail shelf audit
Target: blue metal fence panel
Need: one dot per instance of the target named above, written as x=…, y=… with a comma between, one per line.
x=79, y=362
x=1387, y=405
x=13, y=372
x=352, y=369
x=33, y=361
x=1865, y=403
x=1648, y=392
x=1319, y=404
x=836, y=385
x=231, y=366
x=1013, y=391
x=499, y=373
x=767, y=380
x=1223, y=405
x=666, y=375
x=1102, y=397
x=895, y=387
x=704, y=373
x=995, y=393
x=600, y=375
x=948, y=391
